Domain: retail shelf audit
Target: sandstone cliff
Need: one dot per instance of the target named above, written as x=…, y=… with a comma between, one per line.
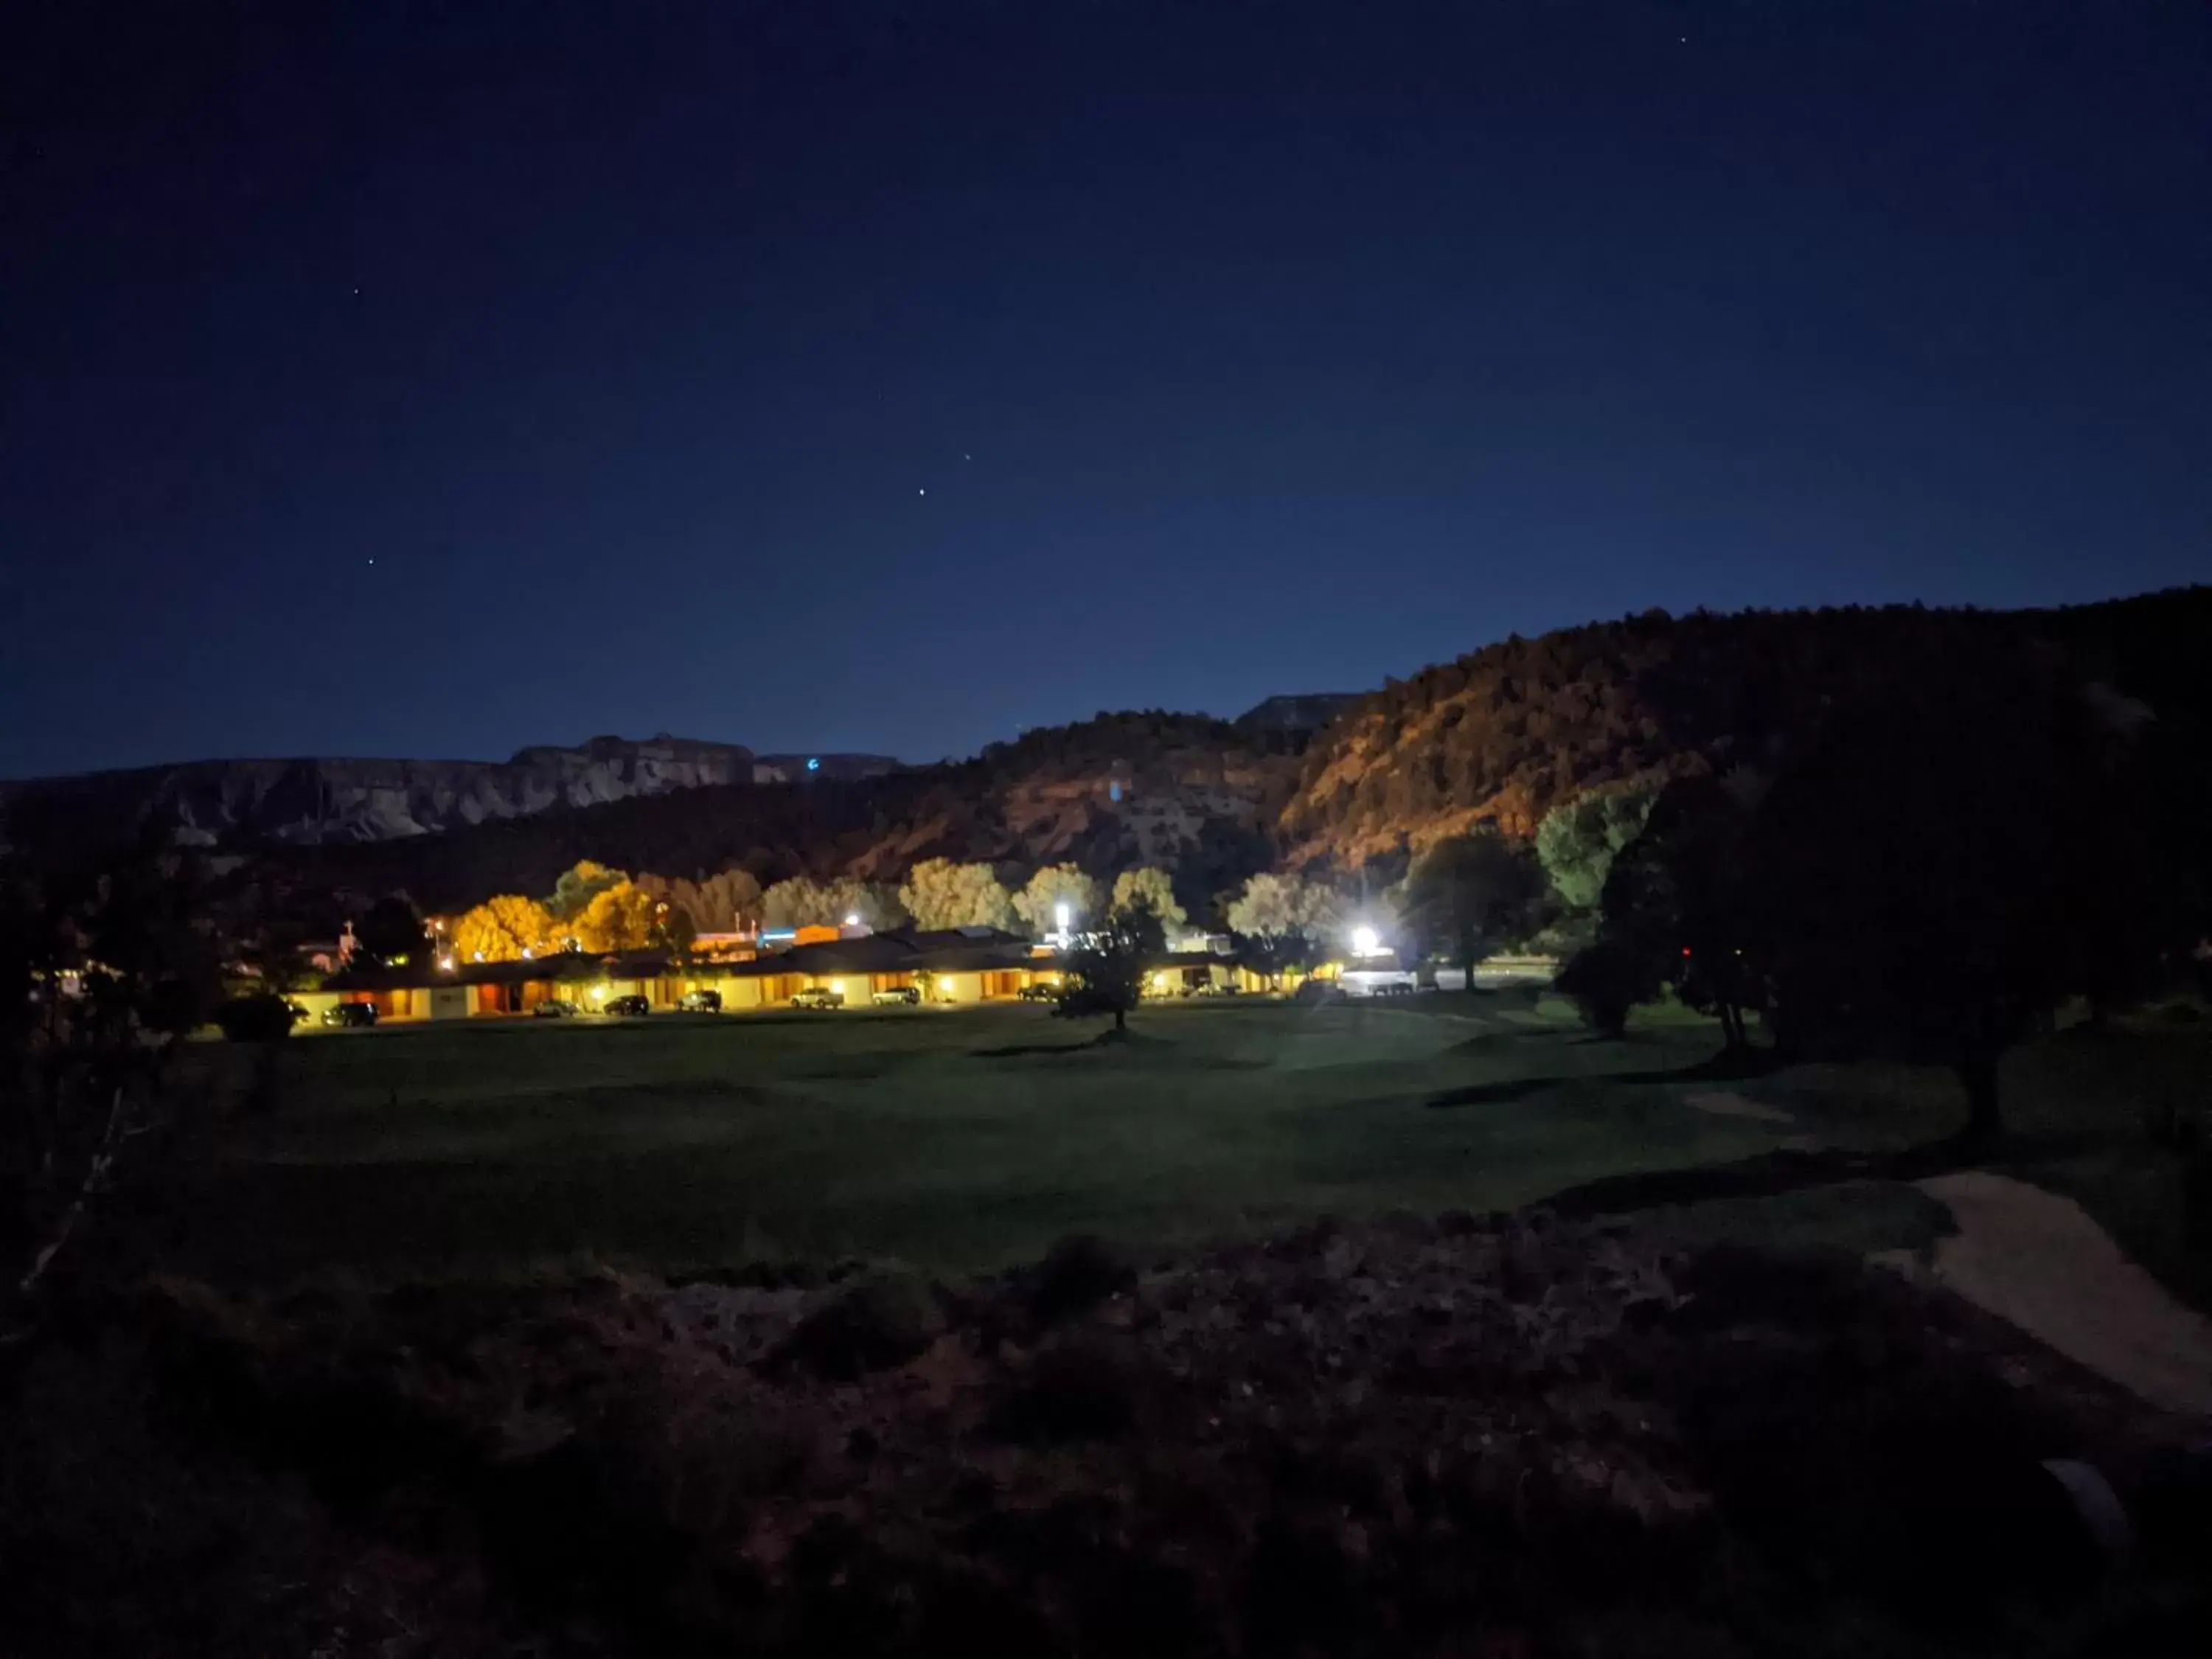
x=310, y=801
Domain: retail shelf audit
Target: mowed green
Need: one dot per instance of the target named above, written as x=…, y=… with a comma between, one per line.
x=965, y=1140
x=959, y=1140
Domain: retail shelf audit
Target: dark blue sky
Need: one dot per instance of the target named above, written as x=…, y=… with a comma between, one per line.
x=1238, y=347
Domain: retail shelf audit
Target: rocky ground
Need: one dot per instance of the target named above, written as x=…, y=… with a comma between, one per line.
x=1498, y=1436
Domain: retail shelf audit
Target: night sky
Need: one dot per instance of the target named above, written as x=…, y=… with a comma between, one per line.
x=430, y=379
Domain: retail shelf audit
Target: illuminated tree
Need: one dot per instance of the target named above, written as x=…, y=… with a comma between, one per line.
x=1150, y=891
x=1053, y=886
x=577, y=888
x=715, y=904
x=799, y=902
x=938, y=893
x=502, y=927
x=1577, y=842
x=623, y=917
x=1282, y=922
x=1277, y=907
x=876, y=905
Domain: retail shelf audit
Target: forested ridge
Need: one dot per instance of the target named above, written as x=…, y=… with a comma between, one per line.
x=1509, y=732
x=1503, y=734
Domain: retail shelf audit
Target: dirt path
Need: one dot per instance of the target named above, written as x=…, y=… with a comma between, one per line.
x=2039, y=1260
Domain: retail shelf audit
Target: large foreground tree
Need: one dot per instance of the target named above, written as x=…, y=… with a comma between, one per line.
x=1955, y=858
x=1677, y=908
x=1469, y=895
x=1106, y=973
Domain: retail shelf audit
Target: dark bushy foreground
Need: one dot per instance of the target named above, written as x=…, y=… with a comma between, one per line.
x=1507, y=1437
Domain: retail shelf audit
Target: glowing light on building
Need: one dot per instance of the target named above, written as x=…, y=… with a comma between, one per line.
x=1366, y=942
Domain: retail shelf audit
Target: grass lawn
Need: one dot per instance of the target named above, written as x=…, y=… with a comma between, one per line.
x=967, y=1139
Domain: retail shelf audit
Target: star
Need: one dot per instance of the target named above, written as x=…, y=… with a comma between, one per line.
x=922, y=492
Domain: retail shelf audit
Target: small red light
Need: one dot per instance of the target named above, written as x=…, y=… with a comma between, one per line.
x=1686, y=950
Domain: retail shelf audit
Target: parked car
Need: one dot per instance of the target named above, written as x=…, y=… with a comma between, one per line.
x=351, y=1014
x=702, y=1002
x=815, y=996
x=1039, y=994
x=555, y=1008
x=896, y=994
x=1219, y=988
x=627, y=1007
x=297, y=1010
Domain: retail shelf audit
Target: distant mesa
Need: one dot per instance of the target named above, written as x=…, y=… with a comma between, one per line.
x=312, y=801
x=661, y=747
x=315, y=801
x=1302, y=711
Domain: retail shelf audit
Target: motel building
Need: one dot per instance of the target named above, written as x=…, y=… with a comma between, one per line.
x=949, y=966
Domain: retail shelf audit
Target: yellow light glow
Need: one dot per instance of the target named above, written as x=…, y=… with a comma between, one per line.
x=1159, y=981
x=598, y=994
x=838, y=985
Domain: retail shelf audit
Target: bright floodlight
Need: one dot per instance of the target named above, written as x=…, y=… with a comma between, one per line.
x=1062, y=914
x=1365, y=942
x=852, y=918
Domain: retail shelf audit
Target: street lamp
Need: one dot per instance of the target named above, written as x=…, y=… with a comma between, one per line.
x=852, y=918
x=1366, y=942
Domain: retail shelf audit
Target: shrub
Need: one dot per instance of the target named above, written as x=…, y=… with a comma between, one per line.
x=262, y=1018
x=1604, y=982
x=1076, y=1274
x=881, y=1321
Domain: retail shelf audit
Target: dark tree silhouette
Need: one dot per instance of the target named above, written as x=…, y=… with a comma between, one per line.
x=390, y=928
x=104, y=965
x=1956, y=857
x=1677, y=906
x=1106, y=973
x=1468, y=895
x=1605, y=980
